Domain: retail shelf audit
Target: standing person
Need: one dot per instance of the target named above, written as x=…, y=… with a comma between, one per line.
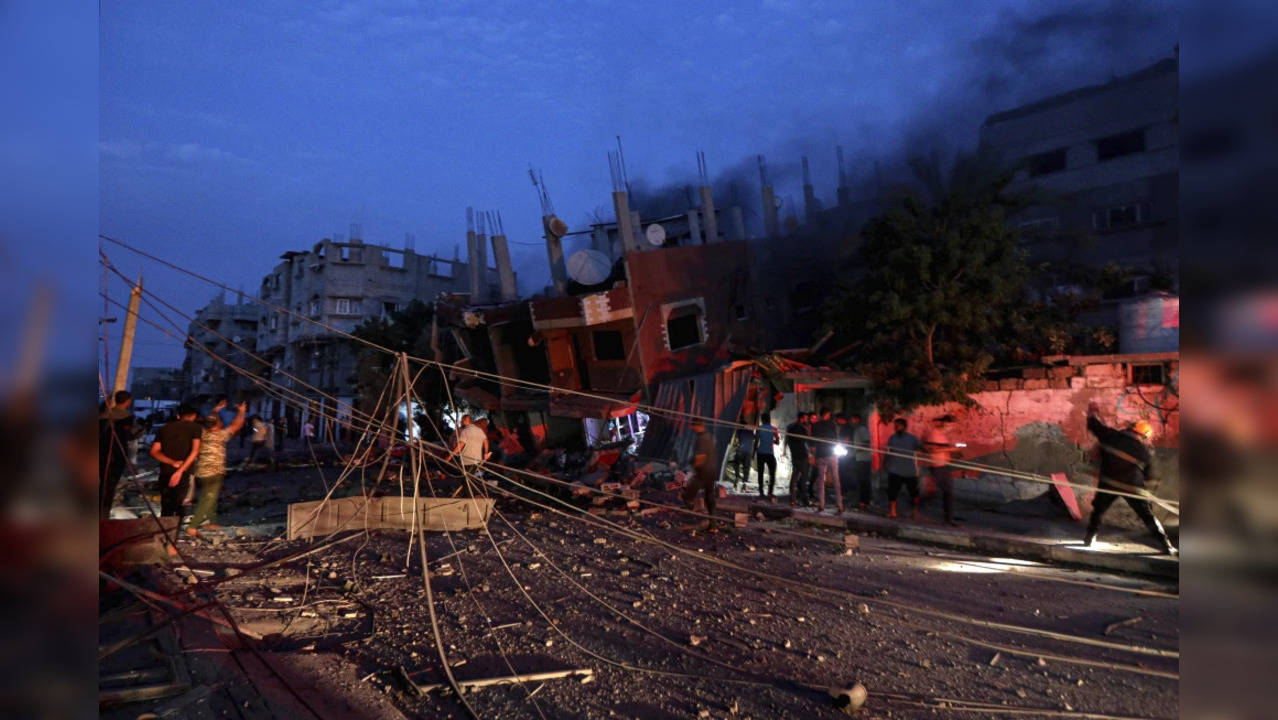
x=176, y=447
x=471, y=445
x=844, y=454
x=862, y=453
x=796, y=446
x=902, y=466
x=210, y=465
x=705, y=472
x=765, y=441
x=1125, y=466
x=279, y=432
x=741, y=457
x=259, y=442
x=308, y=431
x=939, y=451
x=116, y=428
x=827, y=463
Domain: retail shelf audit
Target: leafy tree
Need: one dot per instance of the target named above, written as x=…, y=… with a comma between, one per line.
x=943, y=274
x=405, y=330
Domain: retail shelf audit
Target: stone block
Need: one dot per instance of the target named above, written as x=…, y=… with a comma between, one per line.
x=1102, y=369
x=1035, y=383
x=1105, y=381
x=1059, y=383
x=990, y=386
x=1034, y=373
x=740, y=519
x=1064, y=371
x=1010, y=384
x=1077, y=383
x=851, y=542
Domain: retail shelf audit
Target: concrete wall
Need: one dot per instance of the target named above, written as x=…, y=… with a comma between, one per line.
x=1038, y=425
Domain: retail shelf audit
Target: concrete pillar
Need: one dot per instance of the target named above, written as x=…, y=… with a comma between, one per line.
x=708, y=219
x=481, y=254
x=771, y=228
x=505, y=271
x=555, y=255
x=694, y=228
x=738, y=223
x=621, y=205
x=472, y=263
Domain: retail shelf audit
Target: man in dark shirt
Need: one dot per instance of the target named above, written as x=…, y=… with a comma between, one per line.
x=827, y=463
x=1125, y=466
x=705, y=472
x=176, y=447
x=796, y=446
x=116, y=427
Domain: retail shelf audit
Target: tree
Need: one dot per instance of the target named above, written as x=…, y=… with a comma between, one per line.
x=943, y=272
x=406, y=330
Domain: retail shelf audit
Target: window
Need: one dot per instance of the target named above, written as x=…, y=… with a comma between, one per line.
x=683, y=328
x=608, y=345
x=275, y=322
x=276, y=282
x=315, y=307
x=1121, y=216
x=1149, y=374
x=347, y=306
x=394, y=258
x=1046, y=162
x=1125, y=143
x=388, y=308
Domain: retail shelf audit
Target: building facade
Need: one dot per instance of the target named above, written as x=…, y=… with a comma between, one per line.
x=229, y=332
x=332, y=289
x=1103, y=164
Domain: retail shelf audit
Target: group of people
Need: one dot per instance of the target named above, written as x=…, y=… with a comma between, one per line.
x=832, y=452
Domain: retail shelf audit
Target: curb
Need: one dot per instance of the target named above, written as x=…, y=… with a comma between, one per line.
x=991, y=542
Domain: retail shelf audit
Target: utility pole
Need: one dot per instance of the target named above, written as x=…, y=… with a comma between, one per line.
x=126, y=340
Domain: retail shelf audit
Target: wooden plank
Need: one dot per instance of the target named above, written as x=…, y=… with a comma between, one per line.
x=318, y=518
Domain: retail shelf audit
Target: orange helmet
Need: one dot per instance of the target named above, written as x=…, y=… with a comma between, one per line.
x=1143, y=428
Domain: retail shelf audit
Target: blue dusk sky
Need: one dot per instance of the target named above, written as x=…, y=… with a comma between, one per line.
x=232, y=132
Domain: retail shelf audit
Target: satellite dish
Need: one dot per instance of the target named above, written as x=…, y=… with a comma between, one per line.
x=589, y=267
x=556, y=227
x=656, y=235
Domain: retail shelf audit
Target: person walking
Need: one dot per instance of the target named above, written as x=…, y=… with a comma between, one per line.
x=939, y=449
x=796, y=447
x=175, y=448
x=117, y=426
x=902, y=467
x=210, y=465
x=765, y=440
x=705, y=472
x=826, y=434
x=862, y=453
x=1125, y=465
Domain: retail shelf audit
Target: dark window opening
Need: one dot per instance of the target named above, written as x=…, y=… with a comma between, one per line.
x=741, y=311
x=684, y=330
x=1125, y=143
x=1121, y=216
x=1047, y=162
x=1149, y=374
x=608, y=345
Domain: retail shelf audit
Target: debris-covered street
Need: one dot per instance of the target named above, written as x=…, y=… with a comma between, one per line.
x=656, y=619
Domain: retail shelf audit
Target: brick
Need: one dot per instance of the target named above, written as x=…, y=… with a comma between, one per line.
x=1034, y=373
x=1035, y=384
x=1064, y=371
x=1102, y=369
x=1059, y=383
x=1077, y=383
x=851, y=542
x=990, y=386
x=1105, y=381
x=740, y=519
x=1009, y=384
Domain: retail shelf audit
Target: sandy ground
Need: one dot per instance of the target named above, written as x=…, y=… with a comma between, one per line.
x=666, y=632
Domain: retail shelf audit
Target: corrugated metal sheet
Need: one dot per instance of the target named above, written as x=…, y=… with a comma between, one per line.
x=718, y=395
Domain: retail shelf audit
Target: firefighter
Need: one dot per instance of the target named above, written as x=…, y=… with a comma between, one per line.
x=1125, y=465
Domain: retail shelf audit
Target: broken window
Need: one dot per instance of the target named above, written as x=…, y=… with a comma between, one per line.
x=683, y=327
x=608, y=345
x=1124, y=143
x=315, y=307
x=394, y=258
x=1046, y=162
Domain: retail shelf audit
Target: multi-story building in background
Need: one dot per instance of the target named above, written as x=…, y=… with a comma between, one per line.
x=1103, y=164
x=336, y=286
x=229, y=332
